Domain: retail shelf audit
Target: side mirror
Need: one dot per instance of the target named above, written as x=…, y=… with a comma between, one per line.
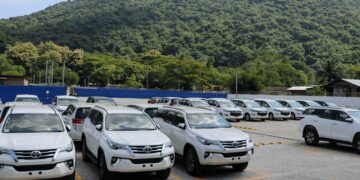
x=68, y=128
x=181, y=125
x=98, y=127
x=349, y=120
x=53, y=103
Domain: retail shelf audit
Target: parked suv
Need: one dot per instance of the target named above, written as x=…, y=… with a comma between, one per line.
x=204, y=138
x=196, y=102
x=336, y=125
x=276, y=110
x=296, y=108
x=34, y=144
x=74, y=116
x=307, y=103
x=251, y=109
x=324, y=103
x=27, y=98
x=123, y=139
x=101, y=100
x=172, y=101
x=62, y=102
x=226, y=108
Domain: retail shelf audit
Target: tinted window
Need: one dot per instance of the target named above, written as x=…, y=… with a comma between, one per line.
x=33, y=123
x=341, y=116
x=4, y=112
x=69, y=110
x=92, y=116
x=329, y=114
x=160, y=113
x=151, y=111
x=66, y=101
x=128, y=122
x=81, y=113
x=27, y=99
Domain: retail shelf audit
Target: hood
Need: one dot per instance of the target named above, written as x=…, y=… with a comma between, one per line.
x=207, y=108
x=133, y=138
x=300, y=109
x=259, y=109
x=34, y=141
x=282, y=109
x=221, y=134
x=61, y=108
x=232, y=109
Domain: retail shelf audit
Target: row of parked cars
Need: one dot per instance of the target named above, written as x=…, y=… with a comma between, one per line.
x=37, y=141
x=248, y=109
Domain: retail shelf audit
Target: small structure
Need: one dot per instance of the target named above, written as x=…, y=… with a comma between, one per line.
x=344, y=87
x=299, y=90
x=14, y=80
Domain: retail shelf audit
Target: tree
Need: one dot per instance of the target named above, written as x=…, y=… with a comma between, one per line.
x=24, y=54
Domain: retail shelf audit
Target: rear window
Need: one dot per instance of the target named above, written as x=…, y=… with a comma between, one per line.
x=27, y=99
x=81, y=113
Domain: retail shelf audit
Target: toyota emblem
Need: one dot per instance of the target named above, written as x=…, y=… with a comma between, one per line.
x=35, y=154
x=147, y=149
x=235, y=143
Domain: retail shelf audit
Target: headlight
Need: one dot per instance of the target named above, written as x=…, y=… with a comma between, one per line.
x=168, y=144
x=207, y=142
x=5, y=151
x=67, y=148
x=277, y=110
x=250, y=140
x=253, y=110
x=116, y=146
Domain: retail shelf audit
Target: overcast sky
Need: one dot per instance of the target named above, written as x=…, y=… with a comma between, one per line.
x=12, y=8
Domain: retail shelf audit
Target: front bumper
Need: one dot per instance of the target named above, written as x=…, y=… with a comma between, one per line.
x=217, y=159
x=228, y=116
x=8, y=172
x=278, y=115
x=127, y=165
x=256, y=116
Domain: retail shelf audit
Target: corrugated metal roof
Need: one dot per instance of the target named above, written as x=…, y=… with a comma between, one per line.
x=300, y=88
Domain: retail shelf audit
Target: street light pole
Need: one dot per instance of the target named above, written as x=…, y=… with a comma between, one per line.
x=236, y=84
x=63, y=73
x=147, y=77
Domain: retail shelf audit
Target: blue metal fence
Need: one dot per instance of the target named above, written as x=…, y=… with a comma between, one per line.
x=45, y=93
x=142, y=93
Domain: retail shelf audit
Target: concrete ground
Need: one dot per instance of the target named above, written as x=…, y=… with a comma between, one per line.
x=280, y=153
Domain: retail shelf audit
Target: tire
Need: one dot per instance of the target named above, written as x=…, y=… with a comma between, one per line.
x=247, y=117
x=311, y=137
x=263, y=120
x=240, y=167
x=237, y=120
x=192, y=165
x=271, y=116
x=357, y=143
x=293, y=117
x=104, y=173
x=163, y=174
x=70, y=177
x=84, y=151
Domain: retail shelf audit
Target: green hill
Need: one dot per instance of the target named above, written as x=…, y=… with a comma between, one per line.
x=230, y=31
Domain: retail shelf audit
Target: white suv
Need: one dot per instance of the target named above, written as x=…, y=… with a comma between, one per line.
x=203, y=137
x=62, y=102
x=34, y=144
x=251, y=109
x=122, y=139
x=296, y=108
x=276, y=110
x=196, y=102
x=336, y=125
x=74, y=116
x=226, y=108
x=27, y=98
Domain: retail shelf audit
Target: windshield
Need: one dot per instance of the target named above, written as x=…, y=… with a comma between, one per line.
x=312, y=103
x=355, y=114
x=207, y=121
x=109, y=102
x=151, y=111
x=295, y=104
x=252, y=104
x=199, y=103
x=275, y=104
x=33, y=123
x=27, y=99
x=226, y=104
x=128, y=122
x=67, y=102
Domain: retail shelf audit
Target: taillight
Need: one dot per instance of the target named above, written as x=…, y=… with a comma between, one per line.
x=77, y=121
x=1, y=119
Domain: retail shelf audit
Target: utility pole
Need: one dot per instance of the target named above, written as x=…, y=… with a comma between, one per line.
x=52, y=72
x=147, y=77
x=46, y=73
x=63, y=73
x=236, y=84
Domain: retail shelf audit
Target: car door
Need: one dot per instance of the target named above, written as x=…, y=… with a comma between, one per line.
x=90, y=131
x=341, y=130
x=98, y=132
x=177, y=134
x=324, y=122
x=165, y=123
x=67, y=115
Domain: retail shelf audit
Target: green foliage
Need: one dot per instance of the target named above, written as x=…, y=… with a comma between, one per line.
x=317, y=91
x=8, y=69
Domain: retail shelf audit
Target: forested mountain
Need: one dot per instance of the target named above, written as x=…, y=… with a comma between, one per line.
x=229, y=31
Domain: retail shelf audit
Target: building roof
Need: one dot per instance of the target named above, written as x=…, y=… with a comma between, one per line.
x=300, y=88
x=355, y=82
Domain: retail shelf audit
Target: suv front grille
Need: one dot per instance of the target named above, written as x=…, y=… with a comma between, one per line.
x=35, y=167
x=262, y=113
x=285, y=113
x=146, y=149
x=226, y=155
x=44, y=154
x=233, y=144
x=235, y=113
x=146, y=161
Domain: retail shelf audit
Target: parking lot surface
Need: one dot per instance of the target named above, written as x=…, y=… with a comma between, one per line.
x=280, y=154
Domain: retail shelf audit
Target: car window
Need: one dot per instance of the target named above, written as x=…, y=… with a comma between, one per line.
x=81, y=113
x=169, y=116
x=341, y=116
x=69, y=110
x=3, y=113
x=151, y=111
x=33, y=123
x=179, y=118
x=66, y=101
x=99, y=118
x=328, y=114
x=160, y=113
x=93, y=116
